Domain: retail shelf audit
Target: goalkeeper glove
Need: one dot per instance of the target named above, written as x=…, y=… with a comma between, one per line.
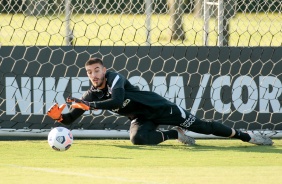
x=55, y=112
x=79, y=104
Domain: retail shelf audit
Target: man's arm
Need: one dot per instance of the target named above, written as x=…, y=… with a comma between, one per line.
x=114, y=81
x=55, y=112
x=71, y=116
x=114, y=102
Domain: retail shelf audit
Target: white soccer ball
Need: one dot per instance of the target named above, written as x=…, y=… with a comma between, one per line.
x=60, y=139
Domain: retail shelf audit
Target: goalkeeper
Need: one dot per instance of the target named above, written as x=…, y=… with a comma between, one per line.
x=146, y=110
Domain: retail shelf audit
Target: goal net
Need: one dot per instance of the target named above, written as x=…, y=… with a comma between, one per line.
x=219, y=59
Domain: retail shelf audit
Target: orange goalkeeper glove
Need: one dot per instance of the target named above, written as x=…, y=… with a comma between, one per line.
x=55, y=112
x=79, y=104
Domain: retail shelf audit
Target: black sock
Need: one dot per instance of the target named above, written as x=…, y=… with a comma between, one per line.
x=171, y=134
x=241, y=135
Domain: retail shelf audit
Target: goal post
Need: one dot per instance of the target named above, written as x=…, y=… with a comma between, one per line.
x=69, y=33
x=224, y=11
x=42, y=56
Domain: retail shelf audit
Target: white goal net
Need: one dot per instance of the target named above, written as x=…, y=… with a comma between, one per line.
x=220, y=59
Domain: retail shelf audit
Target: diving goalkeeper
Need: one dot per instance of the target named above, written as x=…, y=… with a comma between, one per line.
x=146, y=110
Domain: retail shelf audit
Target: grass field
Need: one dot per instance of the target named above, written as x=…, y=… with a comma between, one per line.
x=129, y=29
x=118, y=161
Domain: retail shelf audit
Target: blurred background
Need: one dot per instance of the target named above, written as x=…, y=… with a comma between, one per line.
x=141, y=22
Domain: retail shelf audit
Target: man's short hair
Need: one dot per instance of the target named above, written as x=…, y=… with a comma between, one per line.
x=92, y=61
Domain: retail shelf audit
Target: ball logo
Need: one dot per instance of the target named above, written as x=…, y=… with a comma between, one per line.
x=70, y=135
x=61, y=139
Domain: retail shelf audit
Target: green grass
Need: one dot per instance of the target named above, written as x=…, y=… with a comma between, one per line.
x=118, y=161
x=128, y=29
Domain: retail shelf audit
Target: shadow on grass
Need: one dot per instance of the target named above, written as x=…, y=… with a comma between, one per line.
x=243, y=148
x=99, y=157
x=199, y=147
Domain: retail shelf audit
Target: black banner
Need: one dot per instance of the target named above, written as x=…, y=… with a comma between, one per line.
x=238, y=86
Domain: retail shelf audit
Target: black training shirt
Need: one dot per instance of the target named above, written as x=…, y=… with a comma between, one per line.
x=121, y=97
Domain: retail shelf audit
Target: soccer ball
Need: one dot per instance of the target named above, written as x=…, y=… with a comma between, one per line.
x=60, y=139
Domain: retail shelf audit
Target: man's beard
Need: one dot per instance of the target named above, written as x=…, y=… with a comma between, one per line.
x=100, y=82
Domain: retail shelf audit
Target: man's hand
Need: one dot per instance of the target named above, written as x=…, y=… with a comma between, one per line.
x=79, y=104
x=55, y=112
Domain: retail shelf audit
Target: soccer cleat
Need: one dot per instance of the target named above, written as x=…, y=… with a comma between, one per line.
x=183, y=138
x=259, y=139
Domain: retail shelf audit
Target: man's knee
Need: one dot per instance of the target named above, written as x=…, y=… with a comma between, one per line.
x=138, y=138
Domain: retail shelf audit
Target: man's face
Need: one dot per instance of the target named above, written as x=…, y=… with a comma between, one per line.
x=96, y=74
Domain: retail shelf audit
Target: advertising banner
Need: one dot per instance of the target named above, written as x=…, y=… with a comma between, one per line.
x=240, y=87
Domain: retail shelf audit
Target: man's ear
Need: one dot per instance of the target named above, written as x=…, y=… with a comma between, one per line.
x=104, y=70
